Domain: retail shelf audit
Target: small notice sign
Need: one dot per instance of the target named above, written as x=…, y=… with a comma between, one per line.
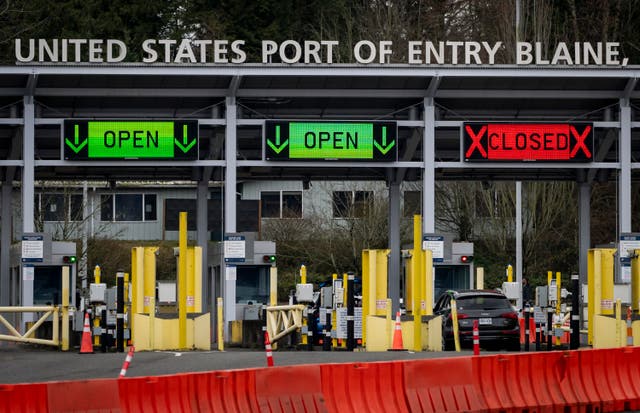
x=234, y=248
x=435, y=243
x=32, y=248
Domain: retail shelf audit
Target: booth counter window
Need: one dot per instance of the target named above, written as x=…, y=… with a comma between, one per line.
x=281, y=204
x=52, y=207
x=128, y=207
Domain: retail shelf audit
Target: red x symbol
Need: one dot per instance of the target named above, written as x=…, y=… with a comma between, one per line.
x=580, y=141
x=475, y=141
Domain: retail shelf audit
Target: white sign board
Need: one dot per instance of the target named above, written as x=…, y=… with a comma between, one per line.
x=234, y=248
x=32, y=248
x=435, y=243
x=628, y=242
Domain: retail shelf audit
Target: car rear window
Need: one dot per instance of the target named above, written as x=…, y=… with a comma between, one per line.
x=482, y=303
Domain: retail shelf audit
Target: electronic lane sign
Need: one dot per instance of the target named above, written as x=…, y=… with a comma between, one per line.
x=334, y=141
x=528, y=142
x=130, y=139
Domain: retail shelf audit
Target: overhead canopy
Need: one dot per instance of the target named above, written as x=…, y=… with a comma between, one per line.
x=331, y=92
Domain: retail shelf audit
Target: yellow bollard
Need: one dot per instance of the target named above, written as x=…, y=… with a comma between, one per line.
x=635, y=281
x=480, y=278
x=510, y=273
x=65, y=308
x=558, y=299
x=220, y=325
x=619, y=342
x=96, y=274
x=417, y=276
x=454, y=319
x=305, y=326
x=182, y=282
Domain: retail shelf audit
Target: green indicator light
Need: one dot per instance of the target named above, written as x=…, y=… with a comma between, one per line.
x=131, y=140
x=319, y=140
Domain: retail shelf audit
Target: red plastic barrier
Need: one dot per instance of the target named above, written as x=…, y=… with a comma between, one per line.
x=85, y=395
x=606, y=380
x=290, y=389
x=227, y=391
x=23, y=398
x=442, y=385
x=365, y=387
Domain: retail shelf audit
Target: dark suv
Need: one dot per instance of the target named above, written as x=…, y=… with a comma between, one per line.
x=497, y=319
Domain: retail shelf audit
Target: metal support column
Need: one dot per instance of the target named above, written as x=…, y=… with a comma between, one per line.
x=28, y=170
x=227, y=282
x=394, y=264
x=230, y=170
x=624, y=179
x=28, y=197
x=429, y=174
x=6, y=223
x=584, y=239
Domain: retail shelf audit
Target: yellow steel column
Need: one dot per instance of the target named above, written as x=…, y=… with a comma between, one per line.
x=594, y=280
x=148, y=279
x=454, y=320
x=182, y=283
x=334, y=314
x=197, y=279
x=273, y=285
x=480, y=278
x=65, y=308
x=96, y=319
x=558, y=304
x=607, y=280
x=428, y=280
x=558, y=291
x=416, y=284
x=549, y=277
x=389, y=324
x=619, y=342
x=635, y=281
x=368, y=288
x=303, y=280
x=220, y=325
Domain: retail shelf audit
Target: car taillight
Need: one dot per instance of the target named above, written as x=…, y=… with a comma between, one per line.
x=460, y=315
x=509, y=315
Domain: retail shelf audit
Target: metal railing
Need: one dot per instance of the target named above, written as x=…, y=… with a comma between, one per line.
x=28, y=336
x=283, y=320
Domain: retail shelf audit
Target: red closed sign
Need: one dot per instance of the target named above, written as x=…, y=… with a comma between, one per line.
x=528, y=142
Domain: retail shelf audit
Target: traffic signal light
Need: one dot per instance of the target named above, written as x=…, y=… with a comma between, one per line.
x=465, y=259
x=69, y=259
x=268, y=259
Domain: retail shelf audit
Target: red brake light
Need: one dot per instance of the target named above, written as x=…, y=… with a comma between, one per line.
x=509, y=315
x=462, y=315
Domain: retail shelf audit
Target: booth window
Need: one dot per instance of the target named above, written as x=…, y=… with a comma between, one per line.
x=59, y=207
x=412, y=204
x=352, y=204
x=281, y=204
x=128, y=207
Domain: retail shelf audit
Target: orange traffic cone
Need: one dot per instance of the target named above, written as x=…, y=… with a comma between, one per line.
x=86, y=347
x=397, y=336
x=267, y=347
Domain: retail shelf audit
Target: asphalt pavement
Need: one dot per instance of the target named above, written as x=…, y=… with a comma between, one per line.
x=22, y=363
